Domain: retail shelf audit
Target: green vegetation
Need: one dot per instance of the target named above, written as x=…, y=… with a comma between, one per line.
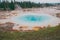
x=50, y=33
x=35, y=5
x=6, y=5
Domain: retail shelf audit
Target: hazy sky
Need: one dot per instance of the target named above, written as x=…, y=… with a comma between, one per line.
x=42, y=1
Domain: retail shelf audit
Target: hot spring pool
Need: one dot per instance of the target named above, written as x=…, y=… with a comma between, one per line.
x=35, y=19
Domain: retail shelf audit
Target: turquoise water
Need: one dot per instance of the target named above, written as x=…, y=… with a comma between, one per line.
x=33, y=18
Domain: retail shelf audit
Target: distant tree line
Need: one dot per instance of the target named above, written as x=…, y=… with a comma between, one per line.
x=35, y=5
x=32, y=4
x=6, y=5
x=11, y=5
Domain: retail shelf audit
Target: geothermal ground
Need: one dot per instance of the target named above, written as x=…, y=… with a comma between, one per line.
x=7, y=16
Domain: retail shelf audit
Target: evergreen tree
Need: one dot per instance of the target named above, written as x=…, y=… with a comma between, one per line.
x=12, y=6
x=4, y=5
